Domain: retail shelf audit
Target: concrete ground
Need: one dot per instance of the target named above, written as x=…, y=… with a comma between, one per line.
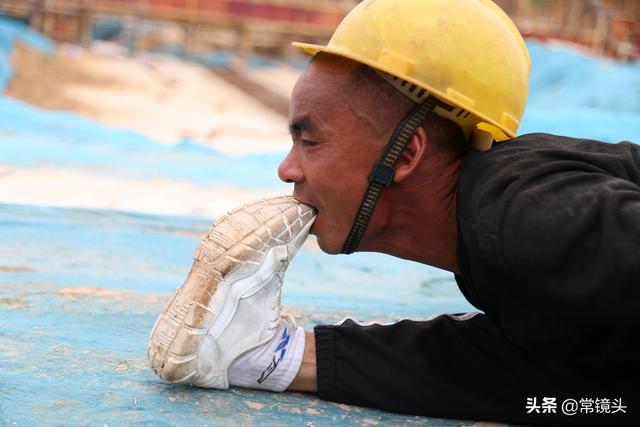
x=80, y=290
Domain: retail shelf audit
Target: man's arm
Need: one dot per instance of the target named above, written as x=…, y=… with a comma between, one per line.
x=459, y=367
x=307, y=378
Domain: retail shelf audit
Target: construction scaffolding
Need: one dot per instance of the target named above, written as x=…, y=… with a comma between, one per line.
x=72, y=20
x=604, y=27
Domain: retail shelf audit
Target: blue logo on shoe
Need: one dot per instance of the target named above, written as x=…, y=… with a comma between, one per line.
x=282, y=348
x=284, y=340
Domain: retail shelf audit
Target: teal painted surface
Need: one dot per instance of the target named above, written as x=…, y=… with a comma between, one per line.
x=80, y=290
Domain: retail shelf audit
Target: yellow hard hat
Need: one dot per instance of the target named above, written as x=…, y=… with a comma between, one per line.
x=466, y=53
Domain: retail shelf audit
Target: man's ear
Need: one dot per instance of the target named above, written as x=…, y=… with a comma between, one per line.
x=412, y=155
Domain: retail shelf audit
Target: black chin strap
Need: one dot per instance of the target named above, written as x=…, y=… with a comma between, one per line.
x=382, y=174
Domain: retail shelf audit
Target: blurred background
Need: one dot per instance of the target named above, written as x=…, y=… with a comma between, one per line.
x=266, y=26
x=128, y=126
x=194, y=93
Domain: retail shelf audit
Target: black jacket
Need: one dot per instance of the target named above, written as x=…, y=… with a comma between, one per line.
x=549, y=250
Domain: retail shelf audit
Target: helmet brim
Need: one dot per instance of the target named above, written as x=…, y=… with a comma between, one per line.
x=499, y=132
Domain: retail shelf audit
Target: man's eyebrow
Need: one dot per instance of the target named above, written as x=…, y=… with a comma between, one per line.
x=300, y=124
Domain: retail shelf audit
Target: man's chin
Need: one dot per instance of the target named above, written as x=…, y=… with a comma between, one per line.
x=325, y=241
x=330, y=248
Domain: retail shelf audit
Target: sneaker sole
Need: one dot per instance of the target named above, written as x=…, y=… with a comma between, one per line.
x=237, y=246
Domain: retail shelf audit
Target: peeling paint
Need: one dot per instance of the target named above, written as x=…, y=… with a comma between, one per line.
x=15, y=269
x=83, y=292
x=14, y=303
x=254, y=405
x=123, y=366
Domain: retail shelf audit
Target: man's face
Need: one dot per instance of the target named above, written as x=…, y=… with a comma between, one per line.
x=334, y=148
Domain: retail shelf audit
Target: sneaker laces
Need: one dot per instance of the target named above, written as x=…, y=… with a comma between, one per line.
x=277, y=309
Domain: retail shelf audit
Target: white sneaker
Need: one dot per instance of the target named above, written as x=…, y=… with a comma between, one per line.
x=230, y=302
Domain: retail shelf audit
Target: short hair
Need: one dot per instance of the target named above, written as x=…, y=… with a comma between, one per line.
x=387, y=106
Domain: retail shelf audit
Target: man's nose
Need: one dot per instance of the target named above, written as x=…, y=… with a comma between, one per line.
x=289, y=169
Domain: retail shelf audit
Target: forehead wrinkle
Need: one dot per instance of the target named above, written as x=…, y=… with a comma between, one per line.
x=332, y=88
x=313, y=112
x=359, y=91
x=362, y=114
x=375, y=103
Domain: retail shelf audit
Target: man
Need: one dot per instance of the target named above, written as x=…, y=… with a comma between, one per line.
x=542, y=233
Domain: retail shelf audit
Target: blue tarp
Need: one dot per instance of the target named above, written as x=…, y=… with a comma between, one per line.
x=31, y=137
x=570, y=93
x=574, y=94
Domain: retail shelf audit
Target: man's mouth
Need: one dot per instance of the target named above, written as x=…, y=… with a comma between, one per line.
x=303, y=201
x=315, y=222
x=315, y=208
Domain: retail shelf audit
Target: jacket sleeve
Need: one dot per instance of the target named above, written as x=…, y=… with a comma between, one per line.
x=455, y=366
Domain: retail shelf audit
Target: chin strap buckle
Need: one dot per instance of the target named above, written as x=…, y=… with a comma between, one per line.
x=382, y=174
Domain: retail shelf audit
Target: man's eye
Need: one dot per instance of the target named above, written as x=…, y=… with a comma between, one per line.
x=306, y=143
